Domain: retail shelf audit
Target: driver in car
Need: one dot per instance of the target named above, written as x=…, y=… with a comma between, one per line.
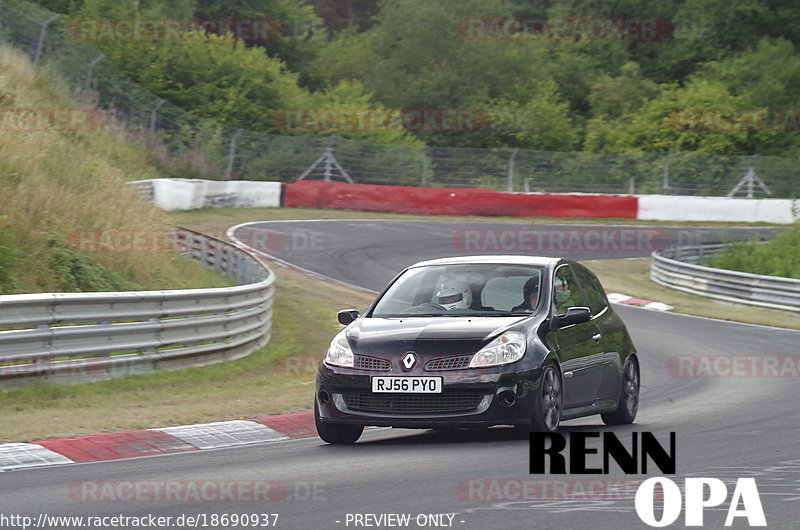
x=530, y=295
x=454, y=295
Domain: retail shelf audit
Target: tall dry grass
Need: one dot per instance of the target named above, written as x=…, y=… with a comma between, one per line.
x=55, y=184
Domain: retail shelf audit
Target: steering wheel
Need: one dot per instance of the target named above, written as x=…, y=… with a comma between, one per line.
x=433, y=305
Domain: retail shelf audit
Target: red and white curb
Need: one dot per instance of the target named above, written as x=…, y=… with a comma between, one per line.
x=619, y=298
x=113, y=446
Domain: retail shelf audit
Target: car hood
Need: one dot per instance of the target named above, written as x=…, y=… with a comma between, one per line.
x=425, y=335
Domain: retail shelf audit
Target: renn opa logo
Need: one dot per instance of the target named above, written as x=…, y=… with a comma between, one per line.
x=698, y=494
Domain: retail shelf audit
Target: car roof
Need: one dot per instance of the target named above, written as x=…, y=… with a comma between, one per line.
x=541, y=261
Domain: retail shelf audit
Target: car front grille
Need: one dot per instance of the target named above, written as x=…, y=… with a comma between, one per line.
x=372, y=363
x=448, y=363
x=413, y=403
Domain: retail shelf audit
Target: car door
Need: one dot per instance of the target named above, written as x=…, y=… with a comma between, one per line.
x=582, y=359
x=610, y=329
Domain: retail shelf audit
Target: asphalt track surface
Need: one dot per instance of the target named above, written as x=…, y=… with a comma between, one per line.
x=368, y=253
x=726, y=427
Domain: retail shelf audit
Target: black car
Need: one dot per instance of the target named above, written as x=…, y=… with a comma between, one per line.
x=479, y=341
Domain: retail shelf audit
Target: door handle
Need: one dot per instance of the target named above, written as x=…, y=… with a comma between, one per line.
x=596, y=337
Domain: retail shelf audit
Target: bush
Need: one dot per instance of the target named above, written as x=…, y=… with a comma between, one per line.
x=778, y=257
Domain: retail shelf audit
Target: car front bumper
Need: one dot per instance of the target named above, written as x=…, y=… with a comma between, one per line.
x=469, y=398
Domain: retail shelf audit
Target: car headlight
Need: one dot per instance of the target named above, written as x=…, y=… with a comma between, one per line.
x=339, y=352
x=507, y=348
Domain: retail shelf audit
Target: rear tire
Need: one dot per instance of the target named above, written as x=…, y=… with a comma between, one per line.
x=548, y=402
x=628, y=396
x=336, y=433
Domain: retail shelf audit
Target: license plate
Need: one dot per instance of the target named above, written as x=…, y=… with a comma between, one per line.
x=407, y=385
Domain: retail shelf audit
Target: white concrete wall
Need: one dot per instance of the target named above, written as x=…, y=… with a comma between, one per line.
x=186, y=194
x=680, y=208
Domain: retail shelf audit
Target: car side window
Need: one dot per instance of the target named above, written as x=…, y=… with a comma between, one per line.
x=592, y=290
x=566, y=292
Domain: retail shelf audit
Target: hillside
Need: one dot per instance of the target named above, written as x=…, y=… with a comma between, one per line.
x=64, y=189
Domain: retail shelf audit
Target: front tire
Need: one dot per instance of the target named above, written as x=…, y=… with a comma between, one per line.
x=628, y=396
x=336, y=433
x=547, y=405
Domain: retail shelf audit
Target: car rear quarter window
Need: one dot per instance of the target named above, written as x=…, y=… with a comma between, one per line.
x=566, y=291
x=592, y=290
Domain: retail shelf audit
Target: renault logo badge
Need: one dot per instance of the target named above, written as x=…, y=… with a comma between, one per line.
x=409, y=360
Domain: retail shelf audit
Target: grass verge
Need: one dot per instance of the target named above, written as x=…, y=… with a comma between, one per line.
x=278, y=378
x=632, y=277
x=217, y=220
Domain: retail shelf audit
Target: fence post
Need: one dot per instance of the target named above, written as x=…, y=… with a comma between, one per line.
x=42, y=33
x=666, y=170
x=231, y=154
x=511, y=169
x=750, y=179
x=328, y=171
x=425, y=166
x=91, y=67
x=153, y=116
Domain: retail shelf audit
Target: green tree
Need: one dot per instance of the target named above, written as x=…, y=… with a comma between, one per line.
x=216, y=77
x=542, y=122
x=768, y=74
x=691, y=118
x=614, y=103
x=343, y=14
x=293, y=24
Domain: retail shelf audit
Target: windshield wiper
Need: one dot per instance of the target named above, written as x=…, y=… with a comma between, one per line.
x=410, y=315
x=414, y=315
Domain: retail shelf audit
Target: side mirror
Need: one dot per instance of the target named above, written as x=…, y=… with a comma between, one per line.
x=347, y=315
x=574, y=315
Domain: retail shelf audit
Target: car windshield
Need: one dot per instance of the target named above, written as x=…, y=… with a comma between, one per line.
x=462, y=290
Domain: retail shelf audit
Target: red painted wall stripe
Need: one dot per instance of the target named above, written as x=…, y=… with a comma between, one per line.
x=455, y=201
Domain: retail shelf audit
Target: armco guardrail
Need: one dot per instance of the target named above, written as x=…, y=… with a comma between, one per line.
x=677, y=268
x=71, y=337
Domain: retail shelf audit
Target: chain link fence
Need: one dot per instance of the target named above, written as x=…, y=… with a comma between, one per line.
x=203, y=148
